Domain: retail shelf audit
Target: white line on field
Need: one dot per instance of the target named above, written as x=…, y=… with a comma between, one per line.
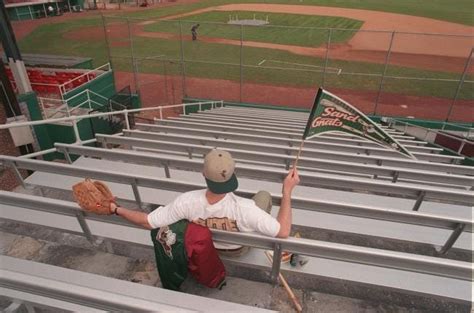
x=337, y=70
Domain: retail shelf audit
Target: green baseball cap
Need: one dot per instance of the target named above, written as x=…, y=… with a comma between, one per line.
x=218, y=170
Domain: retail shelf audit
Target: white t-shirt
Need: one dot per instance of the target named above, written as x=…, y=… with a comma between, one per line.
x=231, y=213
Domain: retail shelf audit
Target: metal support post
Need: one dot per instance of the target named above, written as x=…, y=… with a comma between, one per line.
x=31, y=13
x=107, y=43
x=88, y=99
x=127, y=122
x=461, y=82
x=183, y=65
x=167, y=170
x=395, y=176
x=241, y=61
x=419, y=200
x=165, y=73
x=76, y=132
x=130, y=34
x=452, y=239
x=276, y=263
x=462, y=146
x=109, y=247
x=387, y=58
x=66, y=155
x=13, y=307
x=85, y=228
x=136, y=192
x=161, y=113
x=30, y=308
x=328, y=45
x=18, y=175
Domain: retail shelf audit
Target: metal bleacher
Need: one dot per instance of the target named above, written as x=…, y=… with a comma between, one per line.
x=368, y=217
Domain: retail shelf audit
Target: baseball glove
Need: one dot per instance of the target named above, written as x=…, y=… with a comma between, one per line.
x=93, y=196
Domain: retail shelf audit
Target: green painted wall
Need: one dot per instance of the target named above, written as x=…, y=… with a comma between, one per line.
x=103, y=85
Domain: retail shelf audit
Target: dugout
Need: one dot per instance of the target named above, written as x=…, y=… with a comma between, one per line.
x=19, y=10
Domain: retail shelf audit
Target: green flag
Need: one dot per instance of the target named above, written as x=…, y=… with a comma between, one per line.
x=332, y=114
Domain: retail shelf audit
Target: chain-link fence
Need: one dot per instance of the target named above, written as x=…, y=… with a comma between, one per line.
x=427, y=76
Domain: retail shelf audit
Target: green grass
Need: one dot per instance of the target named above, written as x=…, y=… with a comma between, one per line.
x=47, y=39
x=312, y=31
x=459, y=11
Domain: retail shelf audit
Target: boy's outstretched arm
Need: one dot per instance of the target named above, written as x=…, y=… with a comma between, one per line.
x=284, y=214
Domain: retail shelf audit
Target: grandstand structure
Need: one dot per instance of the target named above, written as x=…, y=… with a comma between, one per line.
x=20, y=10
x=374, y=224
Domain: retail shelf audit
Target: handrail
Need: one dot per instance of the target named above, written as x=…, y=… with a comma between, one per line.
x=86, y=116
x=462, y=141
x=393, y=121
x=342, y=252
x=466, y=129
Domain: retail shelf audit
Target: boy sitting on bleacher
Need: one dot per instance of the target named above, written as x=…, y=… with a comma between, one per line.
x=180, y=231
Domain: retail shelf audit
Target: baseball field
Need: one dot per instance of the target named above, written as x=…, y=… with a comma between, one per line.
x=349, y=47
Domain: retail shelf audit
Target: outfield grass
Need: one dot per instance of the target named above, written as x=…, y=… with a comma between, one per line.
x=47, y=39
x=459, y=11
x=214, y=24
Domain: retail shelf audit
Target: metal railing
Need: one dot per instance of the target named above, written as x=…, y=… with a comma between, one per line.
x=51, y=107
x=125, y=113
x=101, y=70
x=342, y=252
x=427, y=134
x=466, y=132
x=135, y=181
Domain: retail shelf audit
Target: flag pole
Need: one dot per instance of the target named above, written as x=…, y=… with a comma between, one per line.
x=295, y=164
